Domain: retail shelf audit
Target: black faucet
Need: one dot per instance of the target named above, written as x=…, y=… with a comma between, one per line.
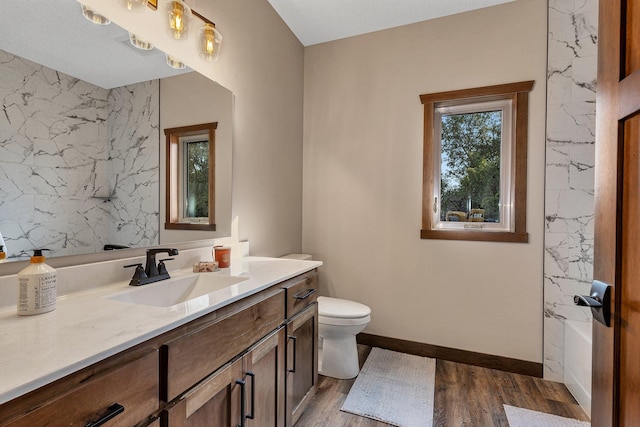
x=151, y=268
x=153, y=272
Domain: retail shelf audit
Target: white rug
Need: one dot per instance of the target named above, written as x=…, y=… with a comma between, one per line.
x=394, y=388
x=520, y=417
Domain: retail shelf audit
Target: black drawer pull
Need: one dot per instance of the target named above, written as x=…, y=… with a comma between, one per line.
x=243, y=402
x=293, y=338
x=253, y=395
x=111, y=412
x=304, y=294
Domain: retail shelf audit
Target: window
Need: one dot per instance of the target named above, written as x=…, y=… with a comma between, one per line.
x=475, y=164
x=190, y=190
x=195, y=177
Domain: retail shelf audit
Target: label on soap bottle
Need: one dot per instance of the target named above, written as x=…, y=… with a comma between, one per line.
x=37, y=293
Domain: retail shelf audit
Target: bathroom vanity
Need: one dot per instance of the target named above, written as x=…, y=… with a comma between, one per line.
x=248, y=358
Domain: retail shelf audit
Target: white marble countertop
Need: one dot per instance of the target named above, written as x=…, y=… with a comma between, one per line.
x=87, y=326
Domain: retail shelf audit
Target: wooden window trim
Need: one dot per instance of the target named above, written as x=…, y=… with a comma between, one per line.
x=172, y=192
x=519, y=93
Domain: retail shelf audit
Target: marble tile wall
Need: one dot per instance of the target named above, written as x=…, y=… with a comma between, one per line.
x=133, y=126
x=569, y=206
x=57, y=151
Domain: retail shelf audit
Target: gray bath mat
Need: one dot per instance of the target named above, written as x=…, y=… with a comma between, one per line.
x=394, y=388
x=519, y=417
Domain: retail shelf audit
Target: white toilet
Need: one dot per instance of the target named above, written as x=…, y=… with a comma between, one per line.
x=339, y=321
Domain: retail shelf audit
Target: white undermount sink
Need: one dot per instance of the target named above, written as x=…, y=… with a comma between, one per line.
x=176, y=290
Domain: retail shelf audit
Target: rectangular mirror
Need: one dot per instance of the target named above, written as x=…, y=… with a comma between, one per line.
x=80, y=135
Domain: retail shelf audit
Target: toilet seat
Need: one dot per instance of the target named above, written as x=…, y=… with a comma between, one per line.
x=335, y=311
x=336, y=321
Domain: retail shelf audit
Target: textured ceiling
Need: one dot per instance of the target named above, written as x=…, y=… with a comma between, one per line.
x=319, y=21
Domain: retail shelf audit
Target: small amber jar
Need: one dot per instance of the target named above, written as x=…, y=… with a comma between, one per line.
x=222, y=254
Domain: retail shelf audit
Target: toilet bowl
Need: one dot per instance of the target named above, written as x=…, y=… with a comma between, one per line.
x=339, y=321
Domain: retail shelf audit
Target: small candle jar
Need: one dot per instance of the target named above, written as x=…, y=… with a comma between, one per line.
x=222, y=254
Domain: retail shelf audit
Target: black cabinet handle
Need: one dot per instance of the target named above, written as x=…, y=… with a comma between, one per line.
x=111, y=412
x=253, y=395
x=293, y=338
x=242, y=402
x=304, y=294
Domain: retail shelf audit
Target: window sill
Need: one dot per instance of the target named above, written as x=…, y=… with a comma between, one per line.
x=475, y=235
x=189, y=226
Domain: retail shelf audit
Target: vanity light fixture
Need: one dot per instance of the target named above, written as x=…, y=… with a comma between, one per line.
x=210, y=42
x=174, y=62
x=134, y=5
x=93, y=16
x=139, y=43
x=179, y=19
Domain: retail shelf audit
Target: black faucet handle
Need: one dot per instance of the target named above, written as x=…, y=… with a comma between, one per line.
x=138, y=275
x=162, y=269
x=133, y=265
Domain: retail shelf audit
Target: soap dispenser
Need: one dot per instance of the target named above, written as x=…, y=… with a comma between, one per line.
x=3, y=254
x=36, y=286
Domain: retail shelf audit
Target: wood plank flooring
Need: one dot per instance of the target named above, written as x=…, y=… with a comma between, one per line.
x=465, y=395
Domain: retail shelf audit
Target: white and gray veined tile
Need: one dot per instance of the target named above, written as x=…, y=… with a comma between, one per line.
x=571, y=123
x=133, y=139
x=570, y=159
x=64, y=141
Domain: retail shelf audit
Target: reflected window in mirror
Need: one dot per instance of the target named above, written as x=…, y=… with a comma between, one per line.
x=475, y=164
x=190, y=189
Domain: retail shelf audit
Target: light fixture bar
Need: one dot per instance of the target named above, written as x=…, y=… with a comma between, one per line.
x=206, y=21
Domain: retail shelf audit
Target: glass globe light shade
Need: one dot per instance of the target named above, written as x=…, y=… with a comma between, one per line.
x=94, y=17
x=179, y=20
x=134, y=5
x=210, y=42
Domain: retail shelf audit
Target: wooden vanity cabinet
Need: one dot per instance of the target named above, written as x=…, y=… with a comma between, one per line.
x=195, y=374
x=196, y=354
x=213, y=403
x=264, y=366
x=128, y=392
x=302, y=344
x=248, y=391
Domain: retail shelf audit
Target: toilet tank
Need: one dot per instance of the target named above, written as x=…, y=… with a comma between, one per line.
x=304, y=257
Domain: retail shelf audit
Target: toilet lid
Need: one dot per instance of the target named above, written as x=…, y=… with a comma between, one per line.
x=341, y=308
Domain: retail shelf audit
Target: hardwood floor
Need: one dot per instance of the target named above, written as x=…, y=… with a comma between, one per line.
x=465, y=395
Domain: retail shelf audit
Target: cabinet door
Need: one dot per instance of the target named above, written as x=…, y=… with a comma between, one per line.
x=215, y=402
x=302, y=361
x=190, y=358
x=265, y=378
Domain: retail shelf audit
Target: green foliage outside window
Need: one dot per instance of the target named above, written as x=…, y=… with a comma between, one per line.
x=470, y=162
x=197, y=179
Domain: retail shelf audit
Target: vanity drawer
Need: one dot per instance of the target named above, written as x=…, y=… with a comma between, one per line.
x=130, y=390
x=188, y=359
x=301, y=291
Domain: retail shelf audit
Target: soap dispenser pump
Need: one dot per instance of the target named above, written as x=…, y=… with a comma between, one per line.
x=36, y=286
